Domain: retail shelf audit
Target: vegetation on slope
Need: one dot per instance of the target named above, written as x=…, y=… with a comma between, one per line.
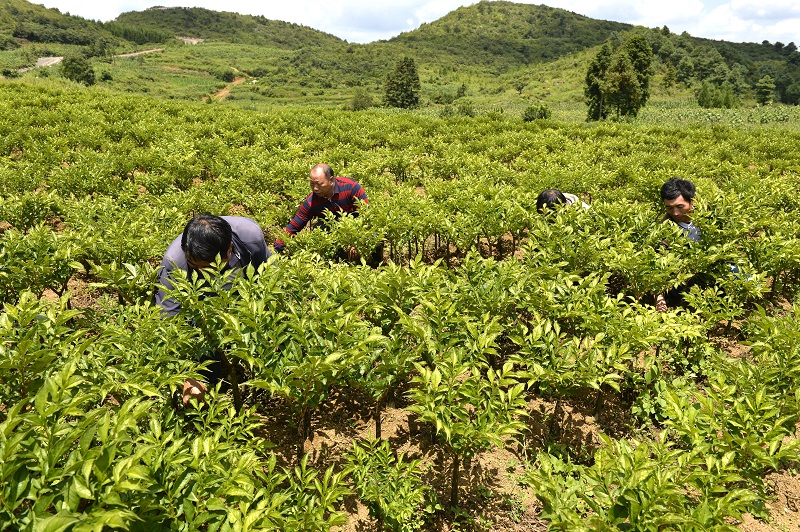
x=29, y=22
x=228, y=27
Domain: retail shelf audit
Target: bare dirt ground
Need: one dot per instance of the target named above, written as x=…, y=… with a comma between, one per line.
x=784, y=508
x=221, y=95
x=134, y=54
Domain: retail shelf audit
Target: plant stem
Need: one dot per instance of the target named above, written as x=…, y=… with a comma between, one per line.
x=454, y=482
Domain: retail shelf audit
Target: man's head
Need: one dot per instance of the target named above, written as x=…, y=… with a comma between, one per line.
x=548, y=200
x=321, y=180
x=204, y=238
x=678, y=197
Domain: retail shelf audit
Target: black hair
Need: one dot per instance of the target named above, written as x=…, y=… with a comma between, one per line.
x=205, y=237
x=549, y=199
x=677, y=187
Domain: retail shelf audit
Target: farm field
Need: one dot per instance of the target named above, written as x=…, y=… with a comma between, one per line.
x=512, y=364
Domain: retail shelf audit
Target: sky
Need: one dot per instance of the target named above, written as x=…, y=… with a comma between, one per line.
x=364, y=21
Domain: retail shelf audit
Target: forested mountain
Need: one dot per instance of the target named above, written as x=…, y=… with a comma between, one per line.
x=504, y=35
x=489, y=46
x=22, y=21
x=227, y=27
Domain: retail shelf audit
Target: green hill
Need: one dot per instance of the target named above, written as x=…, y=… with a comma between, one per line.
x=501, y=54
x=22, y=21
x=227, y=27
x=500, y=36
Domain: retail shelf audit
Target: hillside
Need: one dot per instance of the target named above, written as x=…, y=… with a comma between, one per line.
x=491, y=49
x=501, y=36
x=228, y=27
x=22, y=21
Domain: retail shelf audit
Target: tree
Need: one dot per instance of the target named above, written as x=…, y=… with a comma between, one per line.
x=536, y=112
x=595, y=77
x=765, y=88
x=403, y=86
x=638, y=50
x=78, y=69
x=619, y=80
x=711, y=95
x=792, y=94
x=624, y=92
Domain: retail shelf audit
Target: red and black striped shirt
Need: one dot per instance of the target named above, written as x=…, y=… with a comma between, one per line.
x=345, y=193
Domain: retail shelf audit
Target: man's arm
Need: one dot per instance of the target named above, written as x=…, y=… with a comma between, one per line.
x=173, y=258
x=358, y=192
x=298, y=222
x=169, y=306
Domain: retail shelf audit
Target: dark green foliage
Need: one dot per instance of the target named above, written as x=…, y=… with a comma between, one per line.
x=536, y=112
x=36, y=23
x=402, y=85
x=712, y=96
x=78, y=69
x=765, y=90
x=7, y=42
x=139, y=35
x=595, y=79
x=619, y=80
x=792, y=94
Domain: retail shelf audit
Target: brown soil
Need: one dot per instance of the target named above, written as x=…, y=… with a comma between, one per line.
x=82, y=296
x=784, y=508
x=221, y=95
x=491, y=492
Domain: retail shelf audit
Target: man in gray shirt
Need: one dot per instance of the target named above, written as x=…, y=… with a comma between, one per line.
x=238, y=241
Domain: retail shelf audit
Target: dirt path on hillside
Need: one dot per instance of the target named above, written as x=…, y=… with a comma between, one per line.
x=221, y=95
x=42, y=62
x=50, y=61
x=134, y=54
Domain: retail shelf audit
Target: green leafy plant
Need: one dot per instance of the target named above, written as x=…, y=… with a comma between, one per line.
x=392, y=487
x=469, y=411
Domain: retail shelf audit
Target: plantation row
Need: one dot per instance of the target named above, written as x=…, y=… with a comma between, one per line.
x=482, y=308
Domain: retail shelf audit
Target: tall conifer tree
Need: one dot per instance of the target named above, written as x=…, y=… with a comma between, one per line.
x=403, y=86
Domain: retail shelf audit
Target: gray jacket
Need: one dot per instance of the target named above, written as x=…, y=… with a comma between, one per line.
x=249, y=247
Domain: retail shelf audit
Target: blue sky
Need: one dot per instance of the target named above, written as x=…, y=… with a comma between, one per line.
x=370, y=20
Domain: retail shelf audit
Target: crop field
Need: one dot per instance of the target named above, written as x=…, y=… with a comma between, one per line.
x=501, y=370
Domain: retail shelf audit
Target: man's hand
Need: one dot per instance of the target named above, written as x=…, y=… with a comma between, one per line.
x=193, y=388
x=661, y=303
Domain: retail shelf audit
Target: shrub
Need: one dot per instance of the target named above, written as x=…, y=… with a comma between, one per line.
x=361, y=100
x=78, y=69
x=536, y=112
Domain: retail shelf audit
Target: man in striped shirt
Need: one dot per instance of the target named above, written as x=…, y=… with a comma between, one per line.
x=328, y=193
